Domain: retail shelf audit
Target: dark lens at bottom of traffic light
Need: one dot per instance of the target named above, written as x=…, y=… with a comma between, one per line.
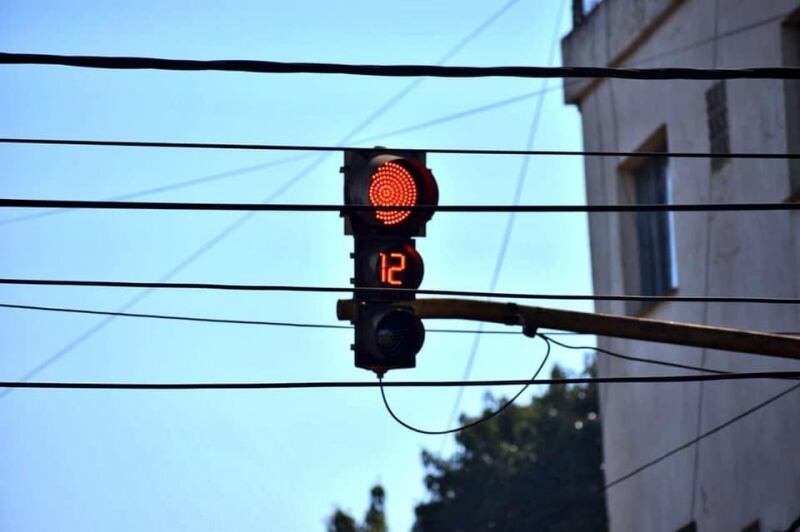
x=387, y=337
x=399, y=334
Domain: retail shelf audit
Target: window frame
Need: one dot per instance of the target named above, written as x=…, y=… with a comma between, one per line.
x=630, y=226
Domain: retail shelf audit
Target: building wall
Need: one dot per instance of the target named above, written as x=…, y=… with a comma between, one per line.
x=750, y=470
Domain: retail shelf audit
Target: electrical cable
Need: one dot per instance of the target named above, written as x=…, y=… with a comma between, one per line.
x=414, y=127
x=369, y=120
x=713, y=38
x=339, y=148
x=528, y=95
x=240, y=322
x=511, y=218
x=178, y=318
x=634, y=358
x=676, y=450
x=651, y=379
x=398, y=291
x=170, y=187
x=209, y=244
x=318, y=207
x=439, y=71
x=702, y=436
x=466, y=426
x=94, y=312
x=458, y=115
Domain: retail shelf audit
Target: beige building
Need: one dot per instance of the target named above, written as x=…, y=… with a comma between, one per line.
x=747, y=476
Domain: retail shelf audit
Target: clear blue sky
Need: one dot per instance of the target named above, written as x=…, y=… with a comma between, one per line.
x=252, y=460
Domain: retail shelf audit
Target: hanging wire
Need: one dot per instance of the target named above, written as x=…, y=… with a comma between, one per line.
x=466, y=426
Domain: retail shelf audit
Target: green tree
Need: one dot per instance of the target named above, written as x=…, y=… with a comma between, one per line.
x=511, y=472
x=341, y=522
x=374, y=520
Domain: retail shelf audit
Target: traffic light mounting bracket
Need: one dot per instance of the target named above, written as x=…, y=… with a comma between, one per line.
x=669, y=332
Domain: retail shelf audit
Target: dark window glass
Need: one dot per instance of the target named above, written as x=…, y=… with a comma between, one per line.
x=654, y=229
x=791, y=57
x=717, y=111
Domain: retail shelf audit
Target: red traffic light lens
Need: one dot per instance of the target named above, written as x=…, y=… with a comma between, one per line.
x=392, y=184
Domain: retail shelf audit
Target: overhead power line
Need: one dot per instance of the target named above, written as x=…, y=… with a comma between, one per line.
x=421, y=125
x=316, y=207
x=439, y=71
x=702, y=436
x=201, y=319
x=221, y=235
x=505, y=240
x=532, y=94
x=424, y=124
x=405, y=291
x=169, y=187
x=432, y=122
x=339, y=148
x=652, y=379
x=713, y=38
x=631, y=358
x=750, y=411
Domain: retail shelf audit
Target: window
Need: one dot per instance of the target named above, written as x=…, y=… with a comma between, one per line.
x=790, y=36
x=648, y=238
x=654, y=229
x=717, y=113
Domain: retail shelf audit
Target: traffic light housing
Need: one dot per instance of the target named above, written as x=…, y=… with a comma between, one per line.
x=398, y=179
x=386, y=337
x=387, y=264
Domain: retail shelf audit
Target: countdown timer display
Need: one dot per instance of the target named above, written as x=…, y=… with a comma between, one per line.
x=398, y=266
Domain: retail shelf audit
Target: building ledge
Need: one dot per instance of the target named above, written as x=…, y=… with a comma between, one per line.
x=609, y=34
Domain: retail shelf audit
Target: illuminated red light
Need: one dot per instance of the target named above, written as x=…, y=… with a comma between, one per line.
x=392, y=184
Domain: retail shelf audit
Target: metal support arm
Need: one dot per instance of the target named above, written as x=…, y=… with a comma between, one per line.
x=650, y=330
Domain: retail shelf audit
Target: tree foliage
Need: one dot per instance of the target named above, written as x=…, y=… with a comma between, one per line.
x=374, y=520
x=511, y=472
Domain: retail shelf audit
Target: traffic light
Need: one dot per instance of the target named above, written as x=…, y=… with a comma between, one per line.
x=387, y=335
